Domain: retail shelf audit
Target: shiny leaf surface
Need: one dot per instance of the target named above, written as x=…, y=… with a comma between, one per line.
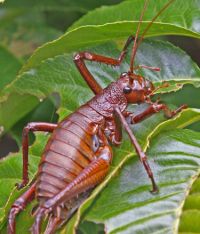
x=119, y=22
x=59, y=75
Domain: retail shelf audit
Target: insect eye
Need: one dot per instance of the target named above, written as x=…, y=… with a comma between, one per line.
x=127, y=89
x=124, y=74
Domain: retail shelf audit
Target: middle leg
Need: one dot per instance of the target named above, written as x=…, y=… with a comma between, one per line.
x=31, y=127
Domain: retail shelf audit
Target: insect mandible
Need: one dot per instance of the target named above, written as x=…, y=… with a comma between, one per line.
x=78, y=154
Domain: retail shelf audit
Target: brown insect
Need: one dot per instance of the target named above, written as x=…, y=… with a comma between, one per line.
x=78, y=154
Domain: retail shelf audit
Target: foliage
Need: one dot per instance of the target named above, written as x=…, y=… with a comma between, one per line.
x=122, y=203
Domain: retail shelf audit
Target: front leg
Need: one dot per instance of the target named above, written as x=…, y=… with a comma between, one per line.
x=113, y=130
x=112, y=133
x=152, y=109
x=138, y=149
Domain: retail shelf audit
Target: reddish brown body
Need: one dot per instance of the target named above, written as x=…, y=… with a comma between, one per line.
x=68, y=151
x=75, y=142
x=78, y=153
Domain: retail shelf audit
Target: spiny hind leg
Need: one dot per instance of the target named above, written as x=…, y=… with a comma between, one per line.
x=18, y=206
x=88, y=178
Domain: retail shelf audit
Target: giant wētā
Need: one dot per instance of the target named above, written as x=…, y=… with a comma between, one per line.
x=78, y=154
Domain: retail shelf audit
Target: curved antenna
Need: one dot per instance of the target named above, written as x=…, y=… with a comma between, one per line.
x=136, y=37
x=136, y=45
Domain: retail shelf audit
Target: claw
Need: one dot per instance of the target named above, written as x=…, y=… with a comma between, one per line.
x=18, y=206
x=35, y=229
x=175, y=112
x=11, y=219
x=52, y=225
x=21, y=185
x=40, y=213
x=155, y=189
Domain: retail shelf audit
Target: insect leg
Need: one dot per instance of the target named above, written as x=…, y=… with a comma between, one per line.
x=18, y=206
x=147, y=67
x=141, y=154
x=79, y=61
x=44, y=127
x=170, y=114
x=113, y=130
x=152, y=109
x=89, y=177
x=53, y=223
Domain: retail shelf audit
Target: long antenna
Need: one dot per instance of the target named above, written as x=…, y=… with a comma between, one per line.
x=136, y=45
x=136, y=37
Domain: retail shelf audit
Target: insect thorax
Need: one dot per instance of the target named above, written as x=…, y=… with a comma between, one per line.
x=105, y=102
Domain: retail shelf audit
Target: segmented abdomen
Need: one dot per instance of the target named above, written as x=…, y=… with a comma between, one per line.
x=68, y=151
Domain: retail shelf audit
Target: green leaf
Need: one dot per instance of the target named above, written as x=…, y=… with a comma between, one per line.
x=127, y=206
x=15, y=107
x=89, y=227
x=23, y=30
x=179, y=13
x=66, y=5
x=121, y=156
x=25, y=25
x=180, y=19
x=184, y=96
x=9, y=67
x=43, y=112
x=145, y=132
x=191, y=211
x=69, y=70
x=176, y=67
x=11, y=173
x=59, y=74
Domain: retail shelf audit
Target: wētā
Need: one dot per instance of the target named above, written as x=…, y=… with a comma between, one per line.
x=78, y=154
